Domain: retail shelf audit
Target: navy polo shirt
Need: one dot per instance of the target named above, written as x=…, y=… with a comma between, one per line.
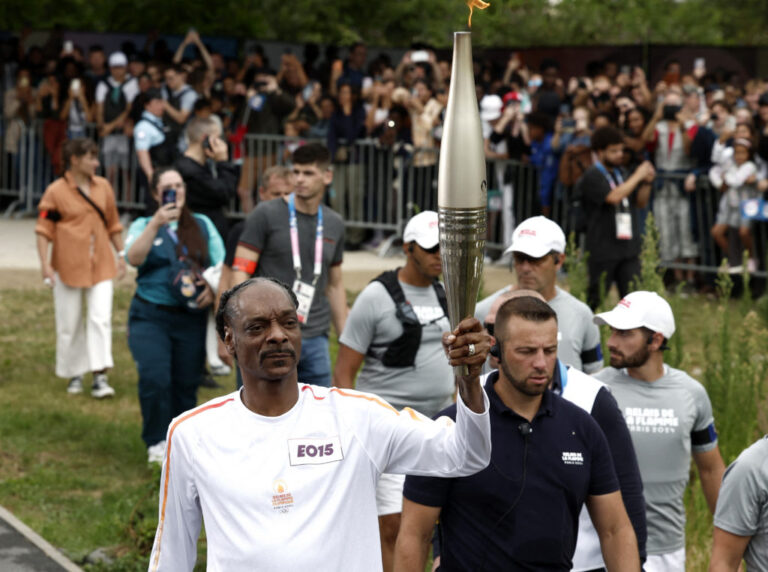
x=548, y=474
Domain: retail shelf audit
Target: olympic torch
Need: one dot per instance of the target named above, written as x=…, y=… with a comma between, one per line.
x=461, y=189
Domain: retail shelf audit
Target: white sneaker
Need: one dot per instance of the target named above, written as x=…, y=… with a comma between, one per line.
x=220, y=370
x=156, y=453
x=101, y=388
x=75, y=385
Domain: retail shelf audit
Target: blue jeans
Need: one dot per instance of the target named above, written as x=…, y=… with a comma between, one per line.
x=169, y=350
x=315, y=361
x=314, y=364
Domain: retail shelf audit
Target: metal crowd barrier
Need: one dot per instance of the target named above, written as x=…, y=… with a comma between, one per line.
x=376, y=188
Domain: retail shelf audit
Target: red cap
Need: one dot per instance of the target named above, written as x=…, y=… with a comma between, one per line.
x=511, y=96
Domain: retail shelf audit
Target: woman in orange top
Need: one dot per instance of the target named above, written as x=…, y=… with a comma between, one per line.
x=79, y=217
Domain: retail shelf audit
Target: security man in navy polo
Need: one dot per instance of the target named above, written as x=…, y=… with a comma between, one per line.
x=548, y=458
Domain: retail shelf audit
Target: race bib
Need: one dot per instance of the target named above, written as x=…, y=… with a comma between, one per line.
x=624, y=226
x=315, y=451
x=305, y=293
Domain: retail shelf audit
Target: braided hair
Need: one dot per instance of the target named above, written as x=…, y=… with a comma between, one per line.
x=227, y=310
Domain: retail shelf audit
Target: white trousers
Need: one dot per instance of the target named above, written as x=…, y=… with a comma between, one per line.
x=83, y=345
x=670, y=562
x=212, y=342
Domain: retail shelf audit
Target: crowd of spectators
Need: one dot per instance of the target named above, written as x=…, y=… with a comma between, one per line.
x=686, y=124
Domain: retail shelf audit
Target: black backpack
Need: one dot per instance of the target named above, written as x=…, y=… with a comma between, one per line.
x=115, y=103
x=402, y=351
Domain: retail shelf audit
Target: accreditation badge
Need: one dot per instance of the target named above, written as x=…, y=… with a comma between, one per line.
x=624, y=226
x=305, y=293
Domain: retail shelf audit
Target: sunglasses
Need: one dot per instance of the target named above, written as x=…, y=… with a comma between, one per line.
x=434, y=250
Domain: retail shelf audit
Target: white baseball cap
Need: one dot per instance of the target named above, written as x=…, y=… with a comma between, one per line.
x=117, y=60
x=641, y=309
x=424, y=229
x=537, y=236
x=490, y=107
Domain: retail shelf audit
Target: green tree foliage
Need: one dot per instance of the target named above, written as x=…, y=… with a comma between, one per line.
x=505, y=23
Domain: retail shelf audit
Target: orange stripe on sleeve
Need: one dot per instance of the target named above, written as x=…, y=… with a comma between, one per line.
x=161, y=524
x=415, y=416
x=340, y=391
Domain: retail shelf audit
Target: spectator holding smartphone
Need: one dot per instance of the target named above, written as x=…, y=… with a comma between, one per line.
x=167, y=318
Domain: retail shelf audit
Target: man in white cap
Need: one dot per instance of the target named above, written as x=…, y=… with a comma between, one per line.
x=114, y=96
x=538, y=250
x=394, y=331
x=668, y=414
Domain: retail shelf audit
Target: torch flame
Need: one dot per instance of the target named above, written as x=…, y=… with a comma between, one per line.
x=479, y=4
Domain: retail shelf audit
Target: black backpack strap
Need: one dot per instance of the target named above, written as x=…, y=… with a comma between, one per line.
x=402, y=351
x=440, y=292
x=389, y=280
x=95, y=206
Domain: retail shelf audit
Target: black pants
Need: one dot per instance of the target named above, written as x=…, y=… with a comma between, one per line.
x=622, y=272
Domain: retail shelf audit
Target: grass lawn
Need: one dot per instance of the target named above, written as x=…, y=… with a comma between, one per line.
x=74, y=468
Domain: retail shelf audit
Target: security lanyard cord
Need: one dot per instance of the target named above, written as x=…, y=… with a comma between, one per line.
x=295, y=241
x=613, y=183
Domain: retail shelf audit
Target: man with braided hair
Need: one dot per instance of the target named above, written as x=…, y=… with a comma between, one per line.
x=284, y=472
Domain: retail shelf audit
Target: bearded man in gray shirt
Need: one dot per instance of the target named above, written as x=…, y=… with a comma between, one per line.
x=669, y=416
x=395, y=331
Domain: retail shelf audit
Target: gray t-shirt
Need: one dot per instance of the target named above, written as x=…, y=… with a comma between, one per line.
x=428, y=385
x=267, y=231
x=661, y=417
x=742, y=506
x=578, y=337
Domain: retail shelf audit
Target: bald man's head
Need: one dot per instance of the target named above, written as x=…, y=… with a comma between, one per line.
x=509, y=295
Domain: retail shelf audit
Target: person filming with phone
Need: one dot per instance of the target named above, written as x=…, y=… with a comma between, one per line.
x=167, y=318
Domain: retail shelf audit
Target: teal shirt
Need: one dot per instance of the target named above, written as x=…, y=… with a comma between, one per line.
x=154, y=292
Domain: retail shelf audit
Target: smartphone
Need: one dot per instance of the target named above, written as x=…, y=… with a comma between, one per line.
x=169, y=197
x=206, y=146
x=75, y=85
x=68, y=47
x=308, y=90
x=419, y=56
x=627, y=70
x=699, y=64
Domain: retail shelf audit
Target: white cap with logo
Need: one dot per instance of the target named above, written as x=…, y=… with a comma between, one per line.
x=641, y=309
x=537, y=236
x=423, y=228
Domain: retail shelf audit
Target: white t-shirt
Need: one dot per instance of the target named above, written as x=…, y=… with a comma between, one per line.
x=297, y=491
x=372, y=325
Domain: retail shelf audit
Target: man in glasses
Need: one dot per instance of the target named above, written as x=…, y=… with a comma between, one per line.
x=538, y=250
x=394, y=331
